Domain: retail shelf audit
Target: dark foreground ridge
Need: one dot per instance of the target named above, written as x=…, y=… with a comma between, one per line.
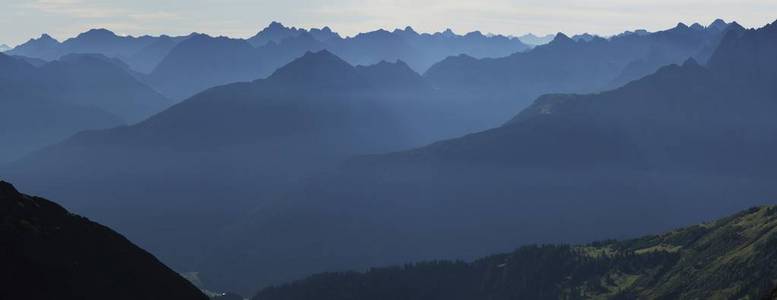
x=732, y=258
x=49, y=253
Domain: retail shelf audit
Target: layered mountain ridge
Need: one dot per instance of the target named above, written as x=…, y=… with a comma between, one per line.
x=45, y=104
x=264, y=168
x=662, y=151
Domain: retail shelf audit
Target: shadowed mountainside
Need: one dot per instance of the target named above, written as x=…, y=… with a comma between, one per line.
x=49, y=253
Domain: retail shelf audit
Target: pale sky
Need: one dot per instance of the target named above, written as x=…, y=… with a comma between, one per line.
x=23, y=19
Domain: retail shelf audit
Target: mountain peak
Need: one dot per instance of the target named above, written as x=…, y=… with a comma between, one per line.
x=322, y=55
x=312, y=66
x=46, y=36
x=718, y=24
x=561, y=38
x=386, y=65
x=736, y=25
x=475, y=33
x=7, y=189
x=681, y=25
x=97, y=33
x=406, y=30
x=697, y=26
x=275, y=25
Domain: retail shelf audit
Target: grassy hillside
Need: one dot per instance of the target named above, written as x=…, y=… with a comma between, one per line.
x=732, y=258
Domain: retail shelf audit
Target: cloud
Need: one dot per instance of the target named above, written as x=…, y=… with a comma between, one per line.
x=75, y=8
x=154, y=16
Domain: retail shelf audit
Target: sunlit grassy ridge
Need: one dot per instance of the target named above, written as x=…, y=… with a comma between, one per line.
x=735, y=257
x=732, y=258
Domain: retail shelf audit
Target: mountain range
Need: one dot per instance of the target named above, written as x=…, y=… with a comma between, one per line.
x=50, y=253
x=662, y=151
x=505, y=85
x=247, y=140
x=196, y=65
x=180, y=68
x=324, y=165
x=45, y=104
x=141, y=53
x=731, y=258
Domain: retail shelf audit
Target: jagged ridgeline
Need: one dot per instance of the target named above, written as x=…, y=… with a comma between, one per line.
x=48, y=253
x=732, y=258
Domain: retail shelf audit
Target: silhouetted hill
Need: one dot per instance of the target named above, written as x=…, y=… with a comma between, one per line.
x=732, y=258
x=505, y=85
x=50, y=253
x=682, y=145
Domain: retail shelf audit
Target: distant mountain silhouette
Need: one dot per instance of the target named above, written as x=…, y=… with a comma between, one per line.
x=586, y=37
x=4, y=47
x=50, y=253
x=74, y=93
x=685, y=144
x=274, y=33
x=421, y=51
x=508, y=84
x=201, y=62
x=45, y=47
x=97, y=81
x=180, y=71
x=147, y=58
x=141, y=53
x=194, y=66
x=698, y=262
x=33, y=117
